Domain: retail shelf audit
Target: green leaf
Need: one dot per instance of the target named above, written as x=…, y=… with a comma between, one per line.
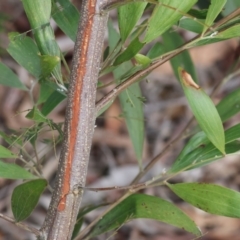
x=128, y=16
x=204, y=111
x=39, y=14
x=214, y=37
x=11, y=139
x=5, y=153
x=25, y=52
x=197, y=141
x=13, y=171
x=209, y=197
x=25, y=198
x=190, y=25
x=134, y=47
x=198, y=151
x=165, y=14
x=172, y=40
x=142, y=59
x=229, y=106
x=144, y=206
x=45, y=92
x=54, y=99
x=48, y=63
x=230, y=6
x=200, y=14
x=231, y=32
x=156, y=50
x=214, y=9
x=36, y=115
x=132, y=107
x=8, y=78
x=81, y=214
x=67, y=17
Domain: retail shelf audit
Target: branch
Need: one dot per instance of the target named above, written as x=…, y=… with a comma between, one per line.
x=20, y=225
x=79, y=124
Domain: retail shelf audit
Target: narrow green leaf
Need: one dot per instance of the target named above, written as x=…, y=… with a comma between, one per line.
x=36, y=115
x=172, y=40
x=197, y=141
x=144, y=206
x=165, y=14
x=13, y=171
x=209, y=197
x=214, y=9
x=231, y=32
x=156, y=50
x=10, y=79
x=229, y=106
x=230, y=6
x=25, y=52
x=214, y=37
x=66, y=16
x=199, y=151
x=25, y=198
x=132, y=107
x=45, y=92
x=204, y=111
x=134, y=47
x=5, y=153
x=54, y=99
x=190, y=25
x=128, y=16
x=80, y=217
x=39, y=14
x=200, y=14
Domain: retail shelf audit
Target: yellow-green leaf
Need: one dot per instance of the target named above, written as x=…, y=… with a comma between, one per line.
x=209, y=197
x=204, y=110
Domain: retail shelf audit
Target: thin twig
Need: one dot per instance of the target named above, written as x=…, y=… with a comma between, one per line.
x=21, y=225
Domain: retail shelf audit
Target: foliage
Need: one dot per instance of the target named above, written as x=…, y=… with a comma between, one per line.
x=41, y=57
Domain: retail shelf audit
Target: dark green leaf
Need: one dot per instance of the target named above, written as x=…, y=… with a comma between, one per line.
x=200, y=14
x=173, y=40
x=144, y=206
x=8, y=78
x=67, y=17
x=134, y=47
x=25, y=198
x=209, y=197
x=204, y=110
x=156, y=50
x=81, y=214
x=13, y=171
x=229, y=106
x=54, y=99
x=199, y=151
x=128, y=16
x=165, y=14
x=230, y=6
x=45, y=92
